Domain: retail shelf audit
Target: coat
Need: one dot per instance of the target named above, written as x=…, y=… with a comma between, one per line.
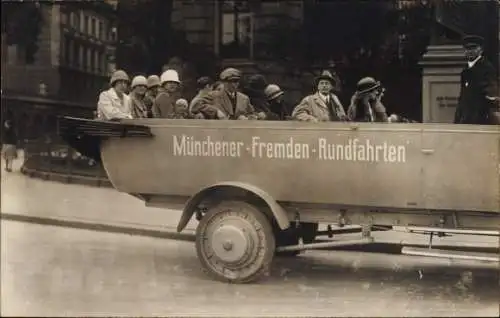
x=314, y=108
x=476, y=83
x=139, y=109
x=164, y=103
x=110, y=106
x=149, y=101
x=361, y=113
x=222, y=102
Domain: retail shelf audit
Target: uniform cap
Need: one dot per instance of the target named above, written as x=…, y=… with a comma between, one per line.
x=138, y=81
x=119, y=75
x=472, y=41
x=230, y=74
x=272, y=91
x=153, y=80
x=170, y=76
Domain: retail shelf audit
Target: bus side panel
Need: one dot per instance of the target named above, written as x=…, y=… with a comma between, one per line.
x=372, y=166
x=461, y=170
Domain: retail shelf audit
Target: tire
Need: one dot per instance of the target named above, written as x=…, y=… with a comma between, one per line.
x=235, y=242
x=291, y=236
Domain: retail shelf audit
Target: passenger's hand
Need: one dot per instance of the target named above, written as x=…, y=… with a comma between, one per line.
x=242, y=117
x=312, y=119
x=220, y=114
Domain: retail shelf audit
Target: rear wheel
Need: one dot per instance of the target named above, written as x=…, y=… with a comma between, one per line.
x=235, y=242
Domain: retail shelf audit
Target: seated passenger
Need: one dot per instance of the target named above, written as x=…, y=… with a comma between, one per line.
x=149, y=99
x=205, y=87
x=113, y=103
x=231, y=103
x=255, y=92
x=169, y=92
x=137, y=95
x=181, y=110
x=323, y=105
x=366, y=105
x=279, y=110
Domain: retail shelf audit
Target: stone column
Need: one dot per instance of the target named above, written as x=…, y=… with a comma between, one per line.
x=441, y=68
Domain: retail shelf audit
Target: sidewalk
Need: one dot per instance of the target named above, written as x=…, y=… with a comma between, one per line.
x=48, y=202
x=36, y=198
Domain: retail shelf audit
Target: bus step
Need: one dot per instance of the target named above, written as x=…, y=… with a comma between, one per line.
x=418, y=251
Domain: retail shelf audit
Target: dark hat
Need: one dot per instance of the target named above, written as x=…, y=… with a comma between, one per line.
x=367, y=85
x=257, y=82
x=471, y=41
x=325, y=75
x=204, y=81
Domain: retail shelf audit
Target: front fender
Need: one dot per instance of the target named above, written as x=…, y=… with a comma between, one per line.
x=278, y=212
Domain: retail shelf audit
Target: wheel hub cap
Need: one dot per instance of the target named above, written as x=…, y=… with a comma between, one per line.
x=230, y=243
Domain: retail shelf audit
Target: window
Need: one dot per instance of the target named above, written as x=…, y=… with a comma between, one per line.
x=101, y=31
x=72, y=20
x=86, y=24
x=236, y=27
x=103, y=63
x=96, y=61
x=68, y=58
x=81, y=57
x=93, y=30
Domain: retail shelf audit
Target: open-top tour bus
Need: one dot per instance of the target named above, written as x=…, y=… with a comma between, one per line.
x=260, y=187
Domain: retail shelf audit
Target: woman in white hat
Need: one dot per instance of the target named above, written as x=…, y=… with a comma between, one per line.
x=276, y=101
x=168, y=93
x=139, y=88
x=114, y=103
x=366, y=105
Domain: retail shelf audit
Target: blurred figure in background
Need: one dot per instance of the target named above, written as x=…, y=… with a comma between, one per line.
x=9, y=142
x=139, y=88
x=114, y=103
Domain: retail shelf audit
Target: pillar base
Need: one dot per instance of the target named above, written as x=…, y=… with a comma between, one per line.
x=441, y=69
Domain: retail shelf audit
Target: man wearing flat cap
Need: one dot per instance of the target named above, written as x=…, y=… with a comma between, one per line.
x=231, y=103
x=478, y=86
x=322, y=105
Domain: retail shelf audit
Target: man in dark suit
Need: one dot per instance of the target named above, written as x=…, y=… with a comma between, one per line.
x=478, y=89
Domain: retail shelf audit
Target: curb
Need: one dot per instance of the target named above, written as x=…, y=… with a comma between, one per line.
x=65, y=178
x=167, y=233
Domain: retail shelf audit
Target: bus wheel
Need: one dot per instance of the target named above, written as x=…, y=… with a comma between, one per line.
x=235, y=242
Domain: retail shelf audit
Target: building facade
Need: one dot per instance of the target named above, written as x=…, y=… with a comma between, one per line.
x=74, y=55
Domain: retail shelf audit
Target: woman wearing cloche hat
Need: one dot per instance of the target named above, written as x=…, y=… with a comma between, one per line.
x=366, y=105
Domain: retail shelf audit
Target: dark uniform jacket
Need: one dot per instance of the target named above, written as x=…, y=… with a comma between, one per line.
x=477, y=82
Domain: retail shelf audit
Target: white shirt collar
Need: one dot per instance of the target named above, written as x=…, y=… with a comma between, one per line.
x=471, y=64
x=323, y=96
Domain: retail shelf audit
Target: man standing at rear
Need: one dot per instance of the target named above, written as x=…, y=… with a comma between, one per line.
x=478, y=88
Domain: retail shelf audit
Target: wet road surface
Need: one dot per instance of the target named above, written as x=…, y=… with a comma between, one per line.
x=53, y=271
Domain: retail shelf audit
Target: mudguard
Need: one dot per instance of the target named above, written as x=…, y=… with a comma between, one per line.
x=278, y=212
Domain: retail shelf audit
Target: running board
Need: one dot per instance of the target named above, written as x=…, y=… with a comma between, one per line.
x=417, y=251
x=312, y=246
x=428, y=230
